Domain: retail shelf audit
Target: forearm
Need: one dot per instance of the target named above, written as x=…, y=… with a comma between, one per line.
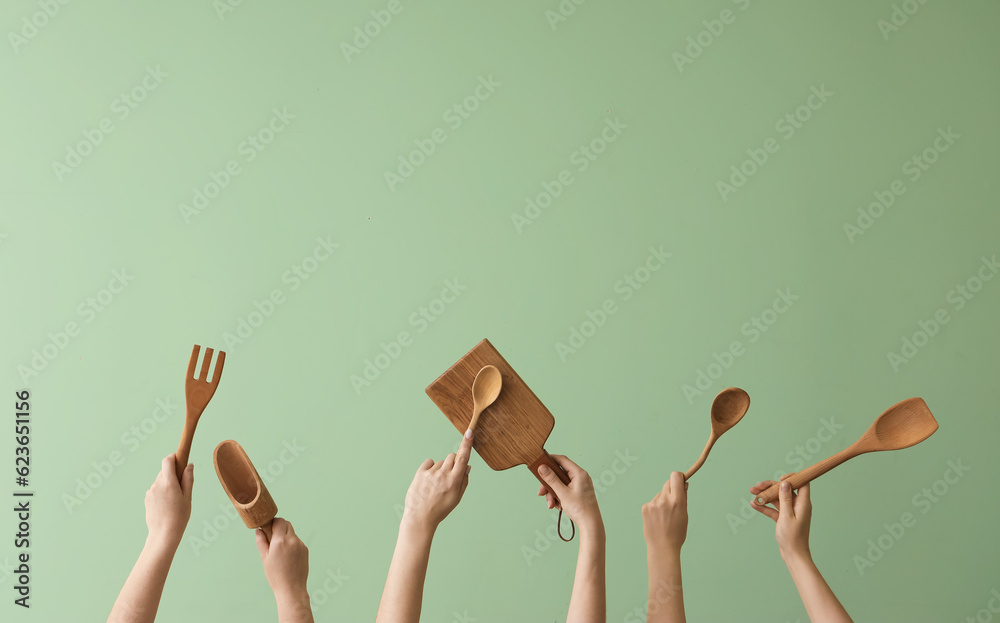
x=821, y=604
x=588, y=603
x=294, y=608
x=140, y=597
x=666, y=595
x=404, y=585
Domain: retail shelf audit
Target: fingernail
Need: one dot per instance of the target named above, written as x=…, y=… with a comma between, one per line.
x=543, y=470
x=468, y=433
x=786, y=487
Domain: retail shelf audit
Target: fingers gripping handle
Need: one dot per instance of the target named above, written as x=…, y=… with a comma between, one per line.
x=549, y=462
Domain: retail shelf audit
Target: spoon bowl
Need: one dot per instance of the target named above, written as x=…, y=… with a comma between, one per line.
x=485, y=390
x=728, y=409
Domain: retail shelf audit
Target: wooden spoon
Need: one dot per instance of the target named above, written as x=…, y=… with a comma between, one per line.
x=728, y=409
x=902, y=425
x=485, y=389
x=244, y=487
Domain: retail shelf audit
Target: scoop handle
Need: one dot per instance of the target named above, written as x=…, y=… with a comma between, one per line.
x=807, y=475
x=548, y=461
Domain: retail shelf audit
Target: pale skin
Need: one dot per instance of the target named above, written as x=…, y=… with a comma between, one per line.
x=792, y=514
x=286, y=566
x=168, y=508
x=664, y=525
x=588, y=602
x=436, y=490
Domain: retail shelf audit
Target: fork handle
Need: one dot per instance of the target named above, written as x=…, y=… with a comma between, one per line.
x=184, y=448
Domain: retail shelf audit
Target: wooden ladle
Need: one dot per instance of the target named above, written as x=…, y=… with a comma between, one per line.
x=244, y=487
x=728, y=409
x=485, y=389
x=902, y=425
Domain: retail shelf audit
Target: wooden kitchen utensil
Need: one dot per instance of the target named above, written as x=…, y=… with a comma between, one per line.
x=244, y=487
x=728, y=409
x=902, y=425
x=197, y=392
x=485, y=390
x=513, y=430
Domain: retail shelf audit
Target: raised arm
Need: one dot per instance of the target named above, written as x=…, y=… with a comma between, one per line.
x=286, y=566
x=436, y=490
x=792, y=514
x=664, y=524
x=168, y=508
x=588, y=603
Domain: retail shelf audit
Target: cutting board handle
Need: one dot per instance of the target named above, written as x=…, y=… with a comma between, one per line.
x=545, y=459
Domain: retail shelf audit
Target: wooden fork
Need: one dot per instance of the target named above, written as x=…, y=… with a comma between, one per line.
x=197, y=392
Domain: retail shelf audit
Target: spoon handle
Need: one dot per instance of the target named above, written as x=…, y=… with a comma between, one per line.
x=701, y=459
x=807, y=475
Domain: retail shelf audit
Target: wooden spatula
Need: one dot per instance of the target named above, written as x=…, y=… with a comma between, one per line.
x=244, y=487
x=512, y=431
x=902, y=425
x=197, y=393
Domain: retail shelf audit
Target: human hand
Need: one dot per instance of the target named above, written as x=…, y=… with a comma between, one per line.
x=665, y=517
x=286, y=561
x=437, y=487
x=577, y=499
x=168, y=503
x=792, y=513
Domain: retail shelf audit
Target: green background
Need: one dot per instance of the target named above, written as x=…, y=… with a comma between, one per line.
x=656, y=184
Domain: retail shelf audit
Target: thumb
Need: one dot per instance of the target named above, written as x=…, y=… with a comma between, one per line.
x=262, y=545
x=187, y=480
x=785, y=497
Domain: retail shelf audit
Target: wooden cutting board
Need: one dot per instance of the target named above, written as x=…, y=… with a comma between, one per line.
x=512, y=431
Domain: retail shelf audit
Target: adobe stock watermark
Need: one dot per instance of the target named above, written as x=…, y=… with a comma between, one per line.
x=563, y=11
x=33, y=24
x=786, y=126
x=421, y=320
x=365, y=33
x=957, y=297
x=985, y=615
x=212, y=528
x=923, y=501
x=795, y=459
x=580, y=159
x=294, y=277
x=914, y=168
x=250, y=148
x=105, y=467
x=621, y=462
x=225, y=7
x=663, y=594
x=899, y=17
x=332, y=581
x=714, y=29
x=454, y=116
x=122, y=106
x=87, y=310
x=625, y=288
x=753, y=329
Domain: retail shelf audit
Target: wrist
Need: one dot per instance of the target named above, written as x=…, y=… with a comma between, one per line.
x=414, y=526
x=292, y=601
x=162, y=544
x=797, y=557
x=663, y=549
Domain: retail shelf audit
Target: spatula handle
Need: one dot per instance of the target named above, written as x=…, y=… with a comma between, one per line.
x=545, y=459
x=807, y=475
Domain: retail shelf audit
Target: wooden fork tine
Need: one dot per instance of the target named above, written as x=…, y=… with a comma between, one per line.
x=218, y=366
x=193, y=361
x=205, y=364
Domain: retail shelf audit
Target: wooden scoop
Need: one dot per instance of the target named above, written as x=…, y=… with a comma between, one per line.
x=244, y=487
x=728, y=409
x=485, y=390
x=902, y=425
